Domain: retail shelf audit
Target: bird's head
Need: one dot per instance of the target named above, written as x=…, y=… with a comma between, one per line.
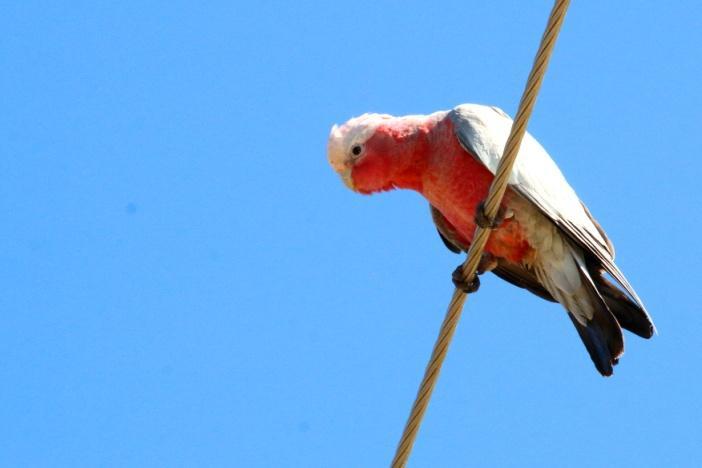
x=361, y=152
x=376, y=152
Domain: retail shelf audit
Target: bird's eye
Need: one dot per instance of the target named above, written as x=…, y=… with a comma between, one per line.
x=356, y=150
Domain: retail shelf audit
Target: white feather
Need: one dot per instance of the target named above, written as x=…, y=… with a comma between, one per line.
x=534, y=171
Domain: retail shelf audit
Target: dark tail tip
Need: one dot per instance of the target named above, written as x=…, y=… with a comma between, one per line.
x=598, y=345
x=629, y=314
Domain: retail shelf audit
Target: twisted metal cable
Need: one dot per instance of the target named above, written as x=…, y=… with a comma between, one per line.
x=492, y=205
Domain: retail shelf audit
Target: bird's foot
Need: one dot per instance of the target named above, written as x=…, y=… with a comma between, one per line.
x=467, y=286
x=482, y=220
x=488, y=262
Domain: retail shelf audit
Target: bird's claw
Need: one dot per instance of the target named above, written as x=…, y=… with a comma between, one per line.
x=467, y=286
x=488, y=262
x=482, y=220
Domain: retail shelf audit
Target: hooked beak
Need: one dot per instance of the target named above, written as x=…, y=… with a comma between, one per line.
x=338, y=158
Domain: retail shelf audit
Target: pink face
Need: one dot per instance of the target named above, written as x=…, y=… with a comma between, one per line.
x=369, y=151
x=348, y=148
x=372, y=170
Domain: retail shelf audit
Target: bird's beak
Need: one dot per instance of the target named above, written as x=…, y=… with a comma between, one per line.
x=337, y=157
x=346, y=177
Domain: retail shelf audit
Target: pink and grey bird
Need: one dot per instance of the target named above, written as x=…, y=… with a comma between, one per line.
x=546, y=240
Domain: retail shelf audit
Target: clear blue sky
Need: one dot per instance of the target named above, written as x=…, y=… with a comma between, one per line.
x=185, y=281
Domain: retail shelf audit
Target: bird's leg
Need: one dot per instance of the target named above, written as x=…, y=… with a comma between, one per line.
x=488, y=262
x=484, y=222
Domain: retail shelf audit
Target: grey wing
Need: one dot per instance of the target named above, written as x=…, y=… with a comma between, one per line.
x=483, y=132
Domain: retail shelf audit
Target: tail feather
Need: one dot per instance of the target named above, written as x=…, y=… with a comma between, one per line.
x=601, y=334
x=629, y=314
x=595, y=343
x=597, y=326
x=602, y=338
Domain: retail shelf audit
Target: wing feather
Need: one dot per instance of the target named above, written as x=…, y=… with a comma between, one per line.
x=483, y=132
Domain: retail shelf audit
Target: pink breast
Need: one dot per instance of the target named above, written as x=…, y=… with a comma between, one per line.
x=455, y=183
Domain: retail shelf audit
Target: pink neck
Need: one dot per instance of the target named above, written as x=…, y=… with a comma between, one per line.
x=434, y=163
x=450, y=178
x=417, y=139
x=427, y=157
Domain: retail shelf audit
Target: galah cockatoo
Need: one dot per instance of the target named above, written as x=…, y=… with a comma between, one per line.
x=545, y=239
